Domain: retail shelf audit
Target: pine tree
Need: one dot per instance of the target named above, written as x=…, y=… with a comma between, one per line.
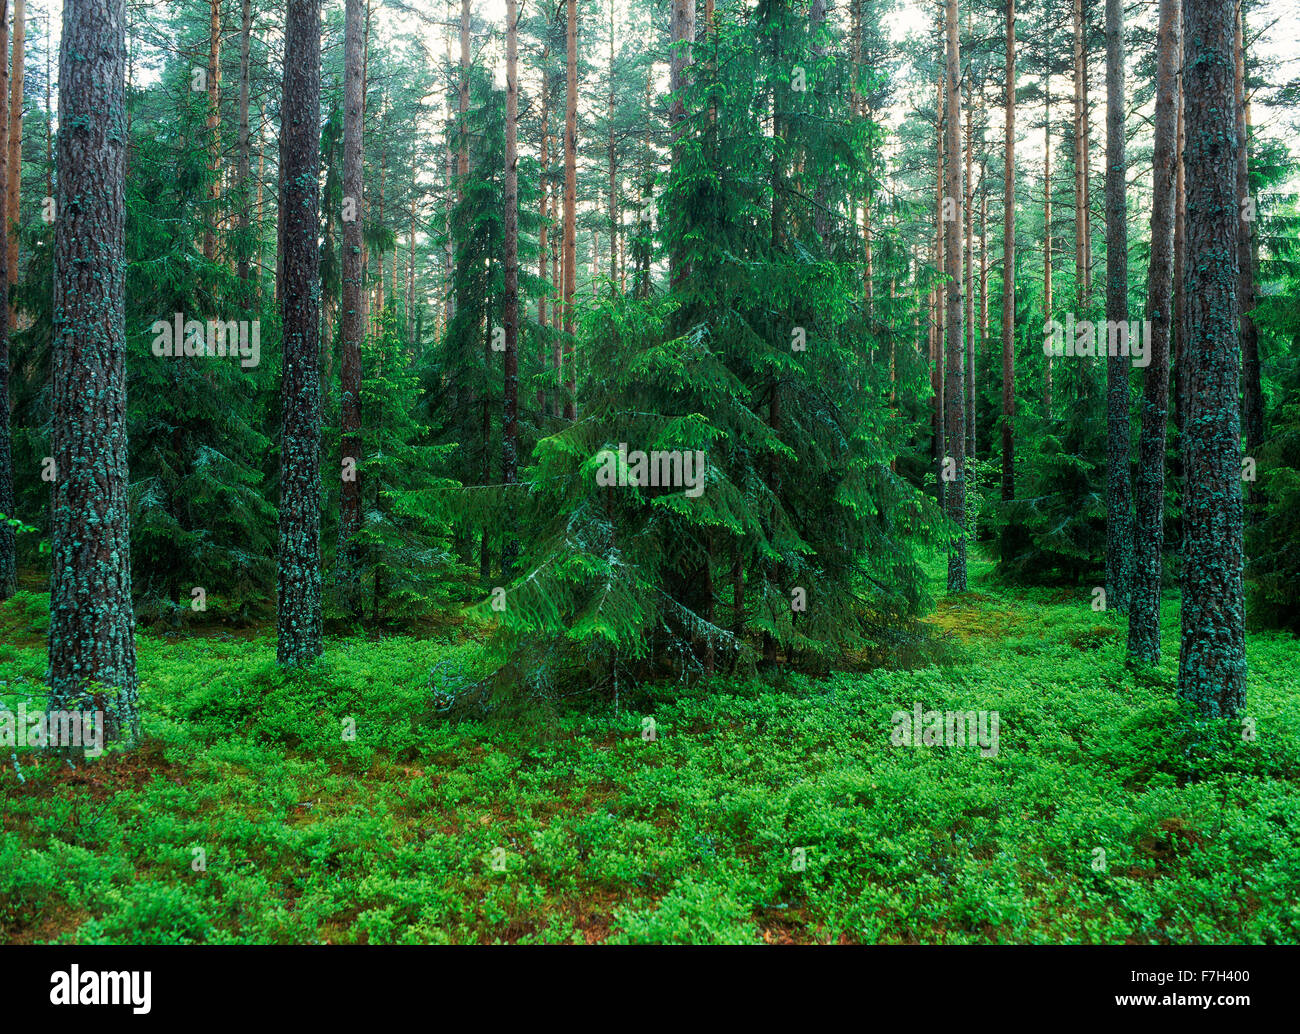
x=1009, y=267
x=510, y=316
x=1119, y=495
x=353, y=325
x=92, y=629
x=1212, y=664
x=570, y=257
x=298, y=584
x=954, y=393
x=1149, y=527
x=9, y=171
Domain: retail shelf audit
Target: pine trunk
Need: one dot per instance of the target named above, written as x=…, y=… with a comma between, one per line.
x=8, y=172
x=15, y=177
x=243, y=162
x=510, y=414
x=1080, y=162
x=348, y=563
x=679, y=59
x=936, y=304
x=1009, y=267
x=1149, y=527
x=1119, y=447
x=298, y=585
x=613, y=166
x=570, y=203
x=1212, y=666
x=92, y=627
x=1252, y=396
x=1047, y=234
x=954, y=394
x=214, y=129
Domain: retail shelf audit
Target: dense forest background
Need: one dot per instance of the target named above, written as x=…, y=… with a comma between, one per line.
x=976, y=325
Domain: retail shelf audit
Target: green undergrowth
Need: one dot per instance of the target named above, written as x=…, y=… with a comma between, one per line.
x=760, y=811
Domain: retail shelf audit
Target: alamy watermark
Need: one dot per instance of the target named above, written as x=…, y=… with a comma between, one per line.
x=220, y=338
x=946, y=729
x=675, y=468
x=84, y=729
x=72, y=986
x=1111, y=338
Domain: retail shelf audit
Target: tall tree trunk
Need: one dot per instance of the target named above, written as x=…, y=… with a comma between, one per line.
x=8, y=171
x=557, y=276
x=936, y=307
x=777, y=239
x=954, y=416
x=15, y=174
x=983, y=337
x=1252, y=398
x=1119, y=446
x=379, y=213
x=570, y=201
x=449, y=200
x=1086, y=152
x=348, y=563
x=298, y=583
x=1009, y=267
x=92, y=628
x=410, y=271
x=49, y=109
x=214, y=129
x=544, y=217
x=1180, y=259
x=363, y=204
x=613, y=167
x=679, y=59
x=261, y=170
x=968, y=285
x=1080, y=163
x=241, y=174
x=1047, y=232
x=1212, y=665
x=510, y=412
x=462, y=166
x=645, y=191
x=1149, y=527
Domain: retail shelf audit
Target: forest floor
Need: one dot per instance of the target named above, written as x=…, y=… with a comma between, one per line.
x=758, y=813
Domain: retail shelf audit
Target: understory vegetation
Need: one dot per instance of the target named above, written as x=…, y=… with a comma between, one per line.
x=558, y=819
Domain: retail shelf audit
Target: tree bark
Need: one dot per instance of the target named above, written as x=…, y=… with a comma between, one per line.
x=936, y=296
x=462, y=164
x=8, y=172
x=510, y=414
x=679, y=60
x=1212, y=665
x=214, y=129
x=1047, y=233
x=92, y=627
x=544, y=217
x=570, y=202
x=1119, y=447
x=242, y=169
x=1009, y=267
x=1149, y=527
x=954, y=394
x=1080, y=163
x=15, y=176
x=298, y=583
x=1252, y=398
x=613, y=166
x=353, y=329
x=968, y=267
x=1180, y=260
